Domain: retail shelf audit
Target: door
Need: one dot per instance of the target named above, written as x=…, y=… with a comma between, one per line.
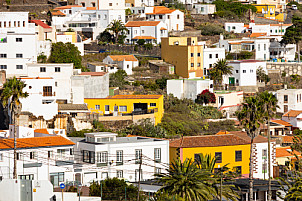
x=78, y=178
x=177, y=27
x=25, y=190
x=232, y=81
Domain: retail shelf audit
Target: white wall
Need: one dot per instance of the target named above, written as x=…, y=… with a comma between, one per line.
x=175, y=87
x=294, y=101
x=234, y=27
x=209, y=61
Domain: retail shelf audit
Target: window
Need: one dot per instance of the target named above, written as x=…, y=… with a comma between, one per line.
x=47, y=91
x=97, y=107
x=23, y=23
x=110, y=4
x=3, y=55
x=71, y=151
x=119, y=173
x=88, y=156
x=138, y=155
x=4, y=23
x=210, y=56
x=160, y=17
x=143, y=31
x=285, y=98
x=216, y=56
x=264, y=47
x=3, y=66
x=42, y=69
x=123, y=108
x=285, y=108
x=238, y=156
x=152, y=104
x=32, y=155
x=1, y=157
x=105, y=17
x=19, y=55
x=127, y=66
x=18, y=23
x=258, y=47
x=197, y=158
x=192, y=54
x=192, y=64
x=103, y=157
x=218, y=156
x=237, y=71
x=251, y=71
x=244, y=71
x=157, y=155
x=19, y=66
x=119, y=157
x=57, y=69
x=238, y=170
x=18, y=39
x=26, y=177
x=50, y=154
x=157, y=170
x=56, y=178
x=168, y=17
x=107, y=108
x=198, y=64
x=198, y=54
x=178, y=17
x=264, y=153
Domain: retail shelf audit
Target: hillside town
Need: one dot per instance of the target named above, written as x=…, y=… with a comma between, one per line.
x=183, y=100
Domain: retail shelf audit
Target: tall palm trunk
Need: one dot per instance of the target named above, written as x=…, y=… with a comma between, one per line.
x=251, y=172
x=15, y=144
x=269, y=198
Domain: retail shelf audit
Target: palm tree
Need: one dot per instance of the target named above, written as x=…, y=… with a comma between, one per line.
x=295, y=191
x=269, y=106
x=10, y=96
x=220, y=69
x=187, y=181
x=117, y=27
x=206, y=162
x=250, y=117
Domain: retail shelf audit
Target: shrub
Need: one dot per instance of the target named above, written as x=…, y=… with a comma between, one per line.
x=211, y=29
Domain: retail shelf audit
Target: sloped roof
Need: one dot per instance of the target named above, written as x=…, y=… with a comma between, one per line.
x=70, y=106
x=94, y=73
x=243, y=135
x=40, y=23
x=35, y=142
x=42, y=130
x=208, y=141
x=57, y=13
x=292, y=113
x=160, y=10
x=123, y=57
x=163, y=28
x=144, y=37
x=279, y=121
x=141, y=23
x=90, y=8
x=67, y=7
x=256, y=35
x=285, y=152
x=287, y=139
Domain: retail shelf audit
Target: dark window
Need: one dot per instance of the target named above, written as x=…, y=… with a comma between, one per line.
x=42, y=69
x=18, y=39
x=197, y=158
x=198, y=54
x=57, y=69
x=218, y=156
x=106, y=107
x=238, y=170
x=238, y=156
x=210, y=56
x=237, y=71
x=47, y=91
x=56, y=178
x=88, y=156
x=3, y=55
x=19, y=55
x=285, y=108
x=32, y=155
x=152, y=104
x=192, y=54
x=285, y=98
x=216, y=55
x=160, y=17
x=178, y=17
x=19, y=66
x=3, y=66
x=192, y=64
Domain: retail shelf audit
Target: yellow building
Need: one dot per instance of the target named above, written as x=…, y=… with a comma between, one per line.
x=227, y=148
x=185, y=54
x=271, y=11
x=128, y=105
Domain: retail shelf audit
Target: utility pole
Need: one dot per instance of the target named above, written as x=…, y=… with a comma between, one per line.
x=15, y=146
x=139, y=174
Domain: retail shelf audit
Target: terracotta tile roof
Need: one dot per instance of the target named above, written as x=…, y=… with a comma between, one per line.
x=256, y=35
x=287, y=139
x=42, y=130
x=123, y=57
x=131, y=97
x=90, y=8
x=93, y=73
x=35, y=142
x=57, y=13
x=243, y=135
x=279, y=25
x=292, y=113
x=286, y=152
x=208, y=141
x=144, y=37
x=67, y=7
x=40, y=23
x=246, y=26
x=141, y=23
x=279, y=121
x=160, y=10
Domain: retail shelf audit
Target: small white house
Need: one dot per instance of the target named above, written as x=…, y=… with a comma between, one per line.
x=228, y=100
x=289, y=99
x=150, y=31
x=210, y=57
x=111, y=156
x=235, y=27
x=204, y=9
x=244, y=73
x=124, y=62
x=188, y=88
x=294, y=117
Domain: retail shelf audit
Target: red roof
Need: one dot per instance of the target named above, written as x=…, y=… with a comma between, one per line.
x=40, y=23
x=279, y=121
x=141, y=23
x=123, y=57
x=93, y=73
x=66, y=7
x=42, y=130
x=160, y=10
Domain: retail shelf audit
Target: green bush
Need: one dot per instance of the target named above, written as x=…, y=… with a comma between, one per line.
x=148, y=46
x=211, y=29
x=141, y=42
x=225, y=8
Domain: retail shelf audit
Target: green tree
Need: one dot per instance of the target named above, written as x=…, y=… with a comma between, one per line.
x=211, y=29
x=42, y=58
x=114, y=189
x=105, y=36
x=235, y=7
x=128, y=12
x=65, y=53
x=10, y=97
x=250, y=117
x=294, y=193
x=140, y=42
x=293, y=33
x=261, y=75
x=187, y=181
x=118, y=28
x=117, y=79
x=220, y=69
x=269, y=106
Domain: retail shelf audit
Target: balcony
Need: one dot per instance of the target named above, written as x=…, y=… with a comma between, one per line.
x=49, y=94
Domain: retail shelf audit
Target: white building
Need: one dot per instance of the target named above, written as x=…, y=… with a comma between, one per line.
x=204, y=9
x=277, y=51
x=112, y=156
x=236, y=27
x=289, y=99
x=150, y=31
x=89, y=22
x=210, y=57
x=174, y=19
x=124, y=62
x=228, y=101
x=244, y=73
x=112, y=4
x=139, y=3
x=294, y=117
x=17, y=42
x=188, y=88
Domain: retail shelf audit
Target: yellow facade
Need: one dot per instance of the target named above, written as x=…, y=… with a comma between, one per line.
x=73, y=34
x=185, y=54
x=228, y=155
x=268, y=10
x=128, y=104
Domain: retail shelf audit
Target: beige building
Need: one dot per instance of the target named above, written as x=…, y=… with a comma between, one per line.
x=185, y=54
x=228, y=101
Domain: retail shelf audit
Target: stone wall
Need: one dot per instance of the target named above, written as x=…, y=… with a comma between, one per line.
x=291, y=68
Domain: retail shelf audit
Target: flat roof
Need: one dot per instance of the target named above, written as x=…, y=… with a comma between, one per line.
x=123, y=140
